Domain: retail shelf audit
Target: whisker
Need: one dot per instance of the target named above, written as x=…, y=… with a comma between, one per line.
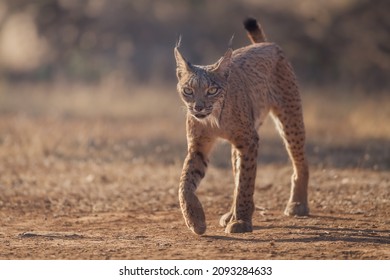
x=184, y=108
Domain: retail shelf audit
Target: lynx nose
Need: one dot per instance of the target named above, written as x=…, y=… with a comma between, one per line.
x=198, y=107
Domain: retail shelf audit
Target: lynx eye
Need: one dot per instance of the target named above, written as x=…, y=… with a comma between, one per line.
x=212, y=91
x=188, y=91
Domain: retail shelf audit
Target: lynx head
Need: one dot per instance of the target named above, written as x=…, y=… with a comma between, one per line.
x=203, y=88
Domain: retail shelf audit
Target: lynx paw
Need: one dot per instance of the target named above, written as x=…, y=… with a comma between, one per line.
x=225, y=219
x=296, y=209
x=198, y=227
x=238, y=227
x=193, y=213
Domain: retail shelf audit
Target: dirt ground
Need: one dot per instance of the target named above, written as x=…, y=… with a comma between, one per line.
x=102, y=184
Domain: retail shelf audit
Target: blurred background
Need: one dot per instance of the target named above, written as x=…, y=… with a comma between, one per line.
x=114, y=59
x=332, y=42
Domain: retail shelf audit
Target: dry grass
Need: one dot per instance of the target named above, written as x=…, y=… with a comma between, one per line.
x=350, y=115
x=45, y=119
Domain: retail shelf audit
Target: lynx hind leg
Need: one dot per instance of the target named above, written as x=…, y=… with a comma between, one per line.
x=287, y=114
x=291, y=128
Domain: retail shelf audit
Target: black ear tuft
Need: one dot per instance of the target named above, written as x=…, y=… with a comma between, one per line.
x=250, y=24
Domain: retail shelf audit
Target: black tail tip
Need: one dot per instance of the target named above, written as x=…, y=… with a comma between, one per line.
x=250, y=24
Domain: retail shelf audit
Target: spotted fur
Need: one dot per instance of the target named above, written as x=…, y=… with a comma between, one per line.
x=230, y=99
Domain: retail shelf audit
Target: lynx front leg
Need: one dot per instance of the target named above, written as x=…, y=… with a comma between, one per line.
x=225, y=219
x=244, y=157
x=194, y=169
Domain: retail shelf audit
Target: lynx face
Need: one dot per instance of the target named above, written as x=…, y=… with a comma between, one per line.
x=202, y=88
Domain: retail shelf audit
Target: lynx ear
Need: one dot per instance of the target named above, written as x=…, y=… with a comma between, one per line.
x=223, y=64
x=182, y=66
